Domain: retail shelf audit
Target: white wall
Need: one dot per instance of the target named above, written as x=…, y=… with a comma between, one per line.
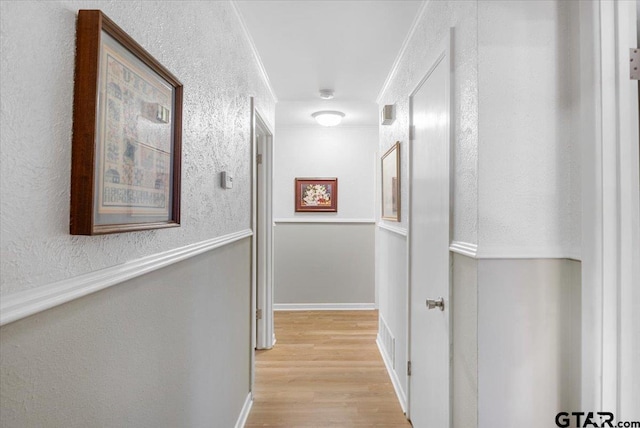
x=202, y=44
x=324, y=263
x=529, y=158
x=346, y=153
x=464, y=296
x=168, y=349
x=391, y=280
x=418, y=56
x=516, y=188
x=528, y=341
x=146, y=352
x=343, y=242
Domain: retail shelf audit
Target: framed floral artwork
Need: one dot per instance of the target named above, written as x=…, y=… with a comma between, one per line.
x=391, y=183
x=316, y=194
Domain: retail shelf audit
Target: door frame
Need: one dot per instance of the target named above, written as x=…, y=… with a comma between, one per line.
x=610, y=208
x=443, y=54
x=262, y=334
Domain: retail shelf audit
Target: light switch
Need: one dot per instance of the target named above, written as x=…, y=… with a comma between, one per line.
x=226, y=180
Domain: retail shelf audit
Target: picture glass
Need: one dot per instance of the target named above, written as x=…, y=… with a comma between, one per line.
x=134, y=140
x=391, y=184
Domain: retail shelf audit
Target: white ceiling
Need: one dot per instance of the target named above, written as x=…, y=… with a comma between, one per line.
x=348, y=46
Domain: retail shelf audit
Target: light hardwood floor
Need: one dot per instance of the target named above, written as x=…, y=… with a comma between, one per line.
x=325, y=371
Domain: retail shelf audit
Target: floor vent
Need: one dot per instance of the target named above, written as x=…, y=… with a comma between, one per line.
x=388, y=341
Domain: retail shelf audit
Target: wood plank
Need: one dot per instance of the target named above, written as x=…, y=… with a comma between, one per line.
x=325, y=371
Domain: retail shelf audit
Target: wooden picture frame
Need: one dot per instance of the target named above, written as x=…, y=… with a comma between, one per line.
x=390, y=167
x=316, y=194
x=127, y=131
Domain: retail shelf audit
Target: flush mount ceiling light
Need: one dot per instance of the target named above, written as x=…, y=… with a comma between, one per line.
x=328, y=117
x=326, y=94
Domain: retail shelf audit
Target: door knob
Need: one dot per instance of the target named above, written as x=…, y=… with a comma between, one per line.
x=438, y=303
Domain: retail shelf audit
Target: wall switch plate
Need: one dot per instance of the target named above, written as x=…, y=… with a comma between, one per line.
x=226, y=180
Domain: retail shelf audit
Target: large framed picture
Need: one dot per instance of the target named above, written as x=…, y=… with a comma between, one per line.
x=316, y=194
x=391, y=183
x=127, y=129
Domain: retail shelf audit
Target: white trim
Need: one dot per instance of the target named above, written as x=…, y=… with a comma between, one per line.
x=30, y=302
x=244, y=413
x=256, y=55
x=464, y=248
x=395, y=229
x=403, y=49
x=523, y=252
x=324, y=306
x=392, y=375
x=318, y=126
x=325, y=220
x=263, y=264
x=510, y=252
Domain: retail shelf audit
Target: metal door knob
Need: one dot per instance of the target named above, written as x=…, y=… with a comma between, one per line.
x=432, y=304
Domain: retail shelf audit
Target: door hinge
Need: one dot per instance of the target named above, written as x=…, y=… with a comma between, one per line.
x=408, y=368
x=634, y=64
x=412, y=132
x=259, y=159
x=259, y=314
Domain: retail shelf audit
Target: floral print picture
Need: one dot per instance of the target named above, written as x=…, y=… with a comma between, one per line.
x=316, y=194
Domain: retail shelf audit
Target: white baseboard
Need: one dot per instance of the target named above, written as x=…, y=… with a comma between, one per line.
x=244, y=413
x=324, y=306
x=402, y=398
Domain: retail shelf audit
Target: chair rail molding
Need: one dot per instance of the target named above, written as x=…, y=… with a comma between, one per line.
x=395, y=229
x=26, y=303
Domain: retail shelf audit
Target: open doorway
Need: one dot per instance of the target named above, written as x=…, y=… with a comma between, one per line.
x=262, y=258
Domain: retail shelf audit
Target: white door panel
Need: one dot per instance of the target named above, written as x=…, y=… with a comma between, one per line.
x=429, y=250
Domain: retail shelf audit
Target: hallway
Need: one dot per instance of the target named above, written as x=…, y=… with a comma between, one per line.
x=325, y=370
x=458, y=179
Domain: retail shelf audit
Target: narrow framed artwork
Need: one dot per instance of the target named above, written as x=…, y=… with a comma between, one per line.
x=316, y=194
x=391, y=183
x=127, y=130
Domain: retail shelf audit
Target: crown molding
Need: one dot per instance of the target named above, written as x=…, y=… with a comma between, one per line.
x=256, y=55
x=403, y=49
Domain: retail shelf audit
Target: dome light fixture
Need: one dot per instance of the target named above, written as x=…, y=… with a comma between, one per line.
x=326, y=94
x=328, y=117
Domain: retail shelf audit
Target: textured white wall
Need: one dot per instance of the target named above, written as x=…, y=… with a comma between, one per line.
x=202, y=44
x=529, y=158
x=420, y=54
x=146, y=352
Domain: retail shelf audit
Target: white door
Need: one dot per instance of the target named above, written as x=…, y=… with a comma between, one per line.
x=429, y=236
x=263, y=235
